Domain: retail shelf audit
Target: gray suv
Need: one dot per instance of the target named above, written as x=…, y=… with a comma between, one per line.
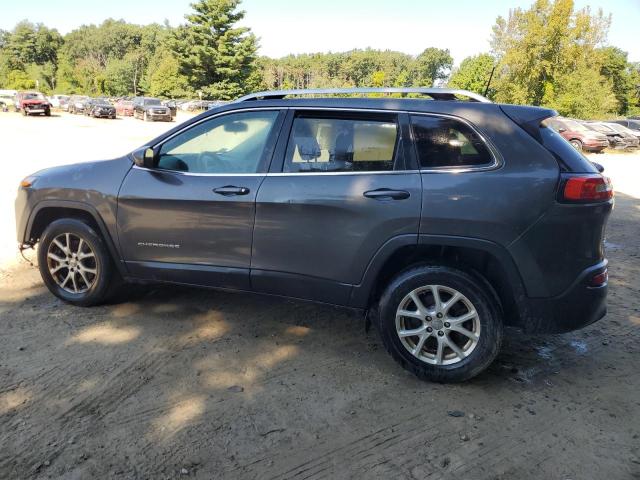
x=441, y=220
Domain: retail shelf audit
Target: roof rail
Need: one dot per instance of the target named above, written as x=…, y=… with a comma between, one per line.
x=434, y=93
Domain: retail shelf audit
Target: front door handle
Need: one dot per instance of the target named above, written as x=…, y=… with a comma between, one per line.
x=387, y=194
x=230, y=190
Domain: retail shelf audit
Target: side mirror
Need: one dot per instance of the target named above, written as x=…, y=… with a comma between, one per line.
x=144, y=157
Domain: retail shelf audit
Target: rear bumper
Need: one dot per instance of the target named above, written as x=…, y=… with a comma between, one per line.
x=580, y=305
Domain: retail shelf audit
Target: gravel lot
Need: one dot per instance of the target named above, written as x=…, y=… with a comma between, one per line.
x=186, y=383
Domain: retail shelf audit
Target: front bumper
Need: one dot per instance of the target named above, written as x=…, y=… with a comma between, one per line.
x=166, y=117
x=580, y=305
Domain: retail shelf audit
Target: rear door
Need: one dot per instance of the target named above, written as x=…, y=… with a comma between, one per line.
x=190, y=219
x=344, y=185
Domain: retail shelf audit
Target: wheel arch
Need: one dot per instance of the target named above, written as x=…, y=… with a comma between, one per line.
x=490, y=263
x=49, y=211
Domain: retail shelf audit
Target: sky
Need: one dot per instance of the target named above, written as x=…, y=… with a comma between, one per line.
x=301, y=26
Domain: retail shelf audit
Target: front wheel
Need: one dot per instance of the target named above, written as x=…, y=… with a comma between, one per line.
x=577, y=144
x=440, y=323
x=74, y=263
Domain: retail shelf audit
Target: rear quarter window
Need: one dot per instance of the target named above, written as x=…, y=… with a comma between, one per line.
x=446, y=143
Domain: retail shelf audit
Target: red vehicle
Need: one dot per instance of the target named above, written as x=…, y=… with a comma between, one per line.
x=124, y=108
x=33, y=102
x=581, y=137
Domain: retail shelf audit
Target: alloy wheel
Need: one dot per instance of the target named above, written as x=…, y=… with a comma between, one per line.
x=438, y=324
x=72, y=263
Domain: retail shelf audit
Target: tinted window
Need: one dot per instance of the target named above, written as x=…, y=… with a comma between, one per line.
x=228, y=144
x=447, y=143
x=341, y=145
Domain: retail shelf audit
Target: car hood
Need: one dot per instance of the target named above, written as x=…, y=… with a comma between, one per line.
x=77, y=172
x=33, y=101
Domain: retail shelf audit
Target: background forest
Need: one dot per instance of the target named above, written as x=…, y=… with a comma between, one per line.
x=550, y=54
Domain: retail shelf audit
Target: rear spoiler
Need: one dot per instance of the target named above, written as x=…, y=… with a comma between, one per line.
x=528, y=118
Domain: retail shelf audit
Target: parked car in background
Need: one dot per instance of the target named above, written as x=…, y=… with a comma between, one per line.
x=172, y=106
x=439, y=220
x=99, y=108
x=58, y=101
x=616, y=139
x=33, y=103
x=124, y=108
x=216, y=103
x=150, y=109
x=631, y=124
x=9, y=99
x=579, y=136
x=77, y=103
x=632, y=138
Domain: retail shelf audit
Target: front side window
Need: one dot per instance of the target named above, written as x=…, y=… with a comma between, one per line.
x=448, y=143
x=230, y=144
x=319, y=144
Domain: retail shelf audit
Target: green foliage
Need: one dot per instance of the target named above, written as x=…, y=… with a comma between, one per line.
x=548, y=55
x=356, y=68
x=216, y=56
x=19, y=80
x=473, y=74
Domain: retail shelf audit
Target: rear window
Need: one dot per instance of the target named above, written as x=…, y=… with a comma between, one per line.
x=568, y=157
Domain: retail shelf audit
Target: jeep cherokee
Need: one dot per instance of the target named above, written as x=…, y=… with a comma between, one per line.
x=442, y=220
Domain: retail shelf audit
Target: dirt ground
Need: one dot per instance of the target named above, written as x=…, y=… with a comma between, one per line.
x=187, y=383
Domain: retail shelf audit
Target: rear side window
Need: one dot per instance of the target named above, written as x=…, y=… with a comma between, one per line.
x=341, y=145
x=447, y=143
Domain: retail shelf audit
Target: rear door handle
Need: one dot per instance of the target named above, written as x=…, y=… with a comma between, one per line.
x=230, y=190
x=387, y=194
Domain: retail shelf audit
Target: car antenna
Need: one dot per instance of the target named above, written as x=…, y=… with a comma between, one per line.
x=490, y=78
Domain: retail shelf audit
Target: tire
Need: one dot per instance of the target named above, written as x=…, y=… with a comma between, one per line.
x=47, y=113
x=100, y=284
x=473, y=356
x=577, y=144
x=24, y=112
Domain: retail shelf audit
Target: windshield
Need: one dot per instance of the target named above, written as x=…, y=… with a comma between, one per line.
x=575, y=126
x=601, y=128
x=152, y=101
x=101, y=102
x=33, y=96
x=616, y=127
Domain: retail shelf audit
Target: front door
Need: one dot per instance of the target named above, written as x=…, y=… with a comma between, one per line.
x=345, y=187
x=190, y=218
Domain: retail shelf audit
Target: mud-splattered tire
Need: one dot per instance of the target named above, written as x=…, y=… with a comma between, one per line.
x=440, y=323
x=75, y=264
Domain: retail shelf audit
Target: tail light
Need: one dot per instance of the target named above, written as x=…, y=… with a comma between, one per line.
x=587, y=188
x=599, y=279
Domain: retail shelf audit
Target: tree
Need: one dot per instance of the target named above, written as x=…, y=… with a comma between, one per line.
x=540, y=48
x=431, y=65
x=216, y=56
x=615, y=68
x=473, y=74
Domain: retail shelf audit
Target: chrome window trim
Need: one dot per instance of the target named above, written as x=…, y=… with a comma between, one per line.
x=272, y=174
x=497, y=157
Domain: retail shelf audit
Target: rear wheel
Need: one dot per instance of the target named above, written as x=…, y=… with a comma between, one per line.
x=74, y=263
x=440, y=323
